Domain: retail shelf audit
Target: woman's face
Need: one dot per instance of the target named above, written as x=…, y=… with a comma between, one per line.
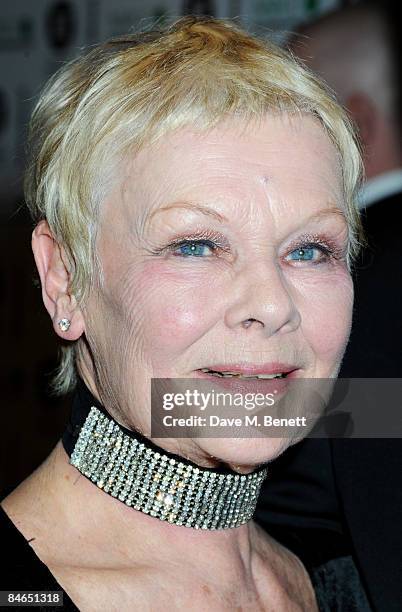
x=265, y=205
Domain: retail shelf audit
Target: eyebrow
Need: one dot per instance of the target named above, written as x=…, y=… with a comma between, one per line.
x=210, y=212
x=328, y=212
x=203, y=209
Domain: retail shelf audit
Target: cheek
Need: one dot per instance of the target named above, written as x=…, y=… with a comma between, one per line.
x=326, y=309
x=177, y=309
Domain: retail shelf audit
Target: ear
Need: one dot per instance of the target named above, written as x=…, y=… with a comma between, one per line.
x=365, y=115
x=54, y=273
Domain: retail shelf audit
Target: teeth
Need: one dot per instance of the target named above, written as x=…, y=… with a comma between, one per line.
x=269, y=376
x=228, y=374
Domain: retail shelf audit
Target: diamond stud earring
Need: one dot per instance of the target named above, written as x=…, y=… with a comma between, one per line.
x=64, y=324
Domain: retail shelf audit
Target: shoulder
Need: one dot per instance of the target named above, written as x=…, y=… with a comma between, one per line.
x=22, y=569
x=21, y=512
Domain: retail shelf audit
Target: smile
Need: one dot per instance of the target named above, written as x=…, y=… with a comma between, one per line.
x=229, y=374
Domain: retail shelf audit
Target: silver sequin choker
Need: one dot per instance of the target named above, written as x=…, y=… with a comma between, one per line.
x=159, y=483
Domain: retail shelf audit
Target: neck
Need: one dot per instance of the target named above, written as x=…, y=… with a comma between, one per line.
x=212, y=508
x=134, y=539
x=127, y=465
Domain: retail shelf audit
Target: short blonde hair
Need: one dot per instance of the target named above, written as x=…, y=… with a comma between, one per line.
x=131, y=90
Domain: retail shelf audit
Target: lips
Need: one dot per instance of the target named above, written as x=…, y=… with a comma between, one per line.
x=242, y=380
x=239, y=369
x=235, y=374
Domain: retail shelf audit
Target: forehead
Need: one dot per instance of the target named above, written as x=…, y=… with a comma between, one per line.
x=276, y=162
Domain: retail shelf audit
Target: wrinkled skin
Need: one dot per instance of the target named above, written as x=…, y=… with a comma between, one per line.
x=161, y=314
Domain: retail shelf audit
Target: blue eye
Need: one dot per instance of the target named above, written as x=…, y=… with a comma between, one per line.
x=194, y=248
x=302, y=254
x=308, y=253
x=203, y=248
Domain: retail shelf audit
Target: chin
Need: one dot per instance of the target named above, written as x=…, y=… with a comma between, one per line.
x=244, y=454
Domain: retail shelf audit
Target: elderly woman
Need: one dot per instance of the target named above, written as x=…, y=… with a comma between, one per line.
x=193, y=194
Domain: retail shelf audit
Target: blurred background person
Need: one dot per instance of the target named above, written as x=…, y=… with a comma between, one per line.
x=346, y=495
x=357, y=51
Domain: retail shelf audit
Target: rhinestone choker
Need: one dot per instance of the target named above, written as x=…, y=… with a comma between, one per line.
x=141, y=474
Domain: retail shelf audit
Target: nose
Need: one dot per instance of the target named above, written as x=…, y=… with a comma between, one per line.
x=262, y=299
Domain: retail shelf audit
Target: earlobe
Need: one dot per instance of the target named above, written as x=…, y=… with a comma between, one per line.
x=55, y=276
